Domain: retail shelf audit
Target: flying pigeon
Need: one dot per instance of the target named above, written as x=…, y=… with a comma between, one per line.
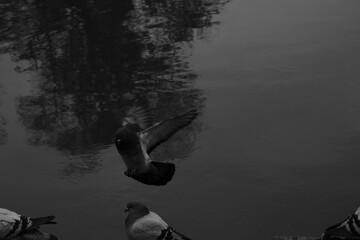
x=347, y=229
x=142, y=224
x=136, y=138
x=17, y=227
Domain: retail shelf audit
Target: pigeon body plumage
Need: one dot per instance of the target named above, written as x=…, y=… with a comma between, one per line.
x=17, y=227
x=347, y=229
x=136, y=138
x=142, y=224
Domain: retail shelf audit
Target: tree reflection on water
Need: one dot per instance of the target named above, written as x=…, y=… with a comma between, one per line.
x=3, y=132
x=90, y=59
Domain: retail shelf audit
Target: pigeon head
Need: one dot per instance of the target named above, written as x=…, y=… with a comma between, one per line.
x=124, y=138
x=135, y=211
x=136, y=207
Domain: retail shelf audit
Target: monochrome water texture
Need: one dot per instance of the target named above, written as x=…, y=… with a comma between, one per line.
x=275, y=148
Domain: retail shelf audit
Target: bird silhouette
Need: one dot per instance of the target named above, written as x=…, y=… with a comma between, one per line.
x=346, y=229
x=137, y=137
x=142, y=224
x=17, y=227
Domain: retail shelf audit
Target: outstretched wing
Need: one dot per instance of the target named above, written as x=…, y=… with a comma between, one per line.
x=163, y=130
x=137, y=118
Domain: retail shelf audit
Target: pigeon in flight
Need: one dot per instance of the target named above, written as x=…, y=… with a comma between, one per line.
x=347, y=229
x=136, y=138
x=142, y=224
x=17, y=227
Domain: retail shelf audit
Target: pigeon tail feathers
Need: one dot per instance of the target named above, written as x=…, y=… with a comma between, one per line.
x=36, y=222
x=181, y=236
x=159, y=174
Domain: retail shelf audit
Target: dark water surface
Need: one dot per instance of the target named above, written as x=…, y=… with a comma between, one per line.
x=275, y=151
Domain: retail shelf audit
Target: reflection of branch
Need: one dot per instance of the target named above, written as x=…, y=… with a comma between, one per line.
x=3, y=133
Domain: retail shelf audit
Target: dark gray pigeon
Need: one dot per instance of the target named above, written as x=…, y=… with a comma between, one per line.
x=136, y=138
x=347, y=229
x=16, y=227
x=142, y=224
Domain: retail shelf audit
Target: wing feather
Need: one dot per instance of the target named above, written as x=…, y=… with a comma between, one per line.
x=148, y=227
x=350, y=227
x=163, y=130
x=138, y=118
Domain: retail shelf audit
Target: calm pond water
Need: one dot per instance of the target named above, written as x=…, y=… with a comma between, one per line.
x=275, y=150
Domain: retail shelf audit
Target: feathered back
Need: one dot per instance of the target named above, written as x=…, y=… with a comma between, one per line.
x=9, y=222
x=8, y=216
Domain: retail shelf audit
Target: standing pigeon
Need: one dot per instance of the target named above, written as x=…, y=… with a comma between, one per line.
x=136, y=138
x=141, y=224
x=347, y=229
x=17, y=227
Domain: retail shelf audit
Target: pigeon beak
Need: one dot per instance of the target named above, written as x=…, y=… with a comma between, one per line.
x=126, y=210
